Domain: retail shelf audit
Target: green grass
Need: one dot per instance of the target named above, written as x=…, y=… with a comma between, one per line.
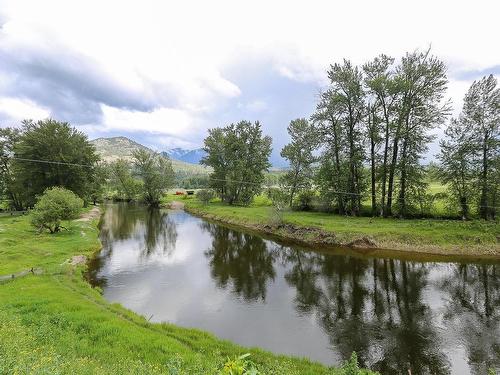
x=432, y=235
x=55, y=323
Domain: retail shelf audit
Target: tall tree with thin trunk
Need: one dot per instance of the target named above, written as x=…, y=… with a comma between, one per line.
x=379, y=80
x=299, y=153
x=481, y=111
x=421, y=79
x=343, y=108
x=457, y=169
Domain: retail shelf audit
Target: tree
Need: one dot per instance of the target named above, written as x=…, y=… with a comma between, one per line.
x=52, y=153
x=457, y=164
x=121, y=177
x=299, y=152
x=97, y=184
x=421, y=81
x=239, y=155
x=339, y=118
x=9, y=184
x=205, y=195
x=481, y=112
x=381, y=87
x=156, y=174
x=56, y=204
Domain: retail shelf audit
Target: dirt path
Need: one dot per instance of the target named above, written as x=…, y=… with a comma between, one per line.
x=94, y=213
x=176, y=205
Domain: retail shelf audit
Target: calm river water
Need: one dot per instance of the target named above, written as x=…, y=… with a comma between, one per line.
x=432, y=318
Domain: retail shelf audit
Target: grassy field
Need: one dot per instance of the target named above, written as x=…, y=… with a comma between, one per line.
x=424, y=235
x=55, y=323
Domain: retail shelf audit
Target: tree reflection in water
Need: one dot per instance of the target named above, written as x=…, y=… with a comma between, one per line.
x=240, y=260
x=473, y=311
x=374, y=307
x=151, y=228
x=397, y=315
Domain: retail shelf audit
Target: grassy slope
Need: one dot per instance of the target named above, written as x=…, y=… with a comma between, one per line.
x=56, y=323
x=424, y=235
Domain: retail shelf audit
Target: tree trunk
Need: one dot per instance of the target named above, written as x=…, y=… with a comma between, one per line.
x=402, y=192
x=336, y=151
x=392, y=171
x=384, y=164
x=373, y=171
x=483, y=204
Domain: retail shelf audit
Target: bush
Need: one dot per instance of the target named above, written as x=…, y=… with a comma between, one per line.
x=351, y=366
x=205, y=195
x=279, y=202
x=240, y=366
x=56, y=204
x=304, y=200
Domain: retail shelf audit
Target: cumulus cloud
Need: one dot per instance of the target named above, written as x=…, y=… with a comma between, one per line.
x=174, y=69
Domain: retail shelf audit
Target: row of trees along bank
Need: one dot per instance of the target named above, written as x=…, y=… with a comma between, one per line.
x=367, y=137
x=47, y=153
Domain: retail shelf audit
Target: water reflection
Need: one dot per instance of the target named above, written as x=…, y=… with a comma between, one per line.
x=374, y=307
x=152, y=230
x=429, y=318
x=473, y=312
x=240, y=262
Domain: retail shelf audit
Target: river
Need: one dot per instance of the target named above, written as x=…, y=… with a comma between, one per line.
x=427, y=316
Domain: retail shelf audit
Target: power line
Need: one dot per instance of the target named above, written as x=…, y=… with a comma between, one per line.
x=236, y=181
x=54, y=162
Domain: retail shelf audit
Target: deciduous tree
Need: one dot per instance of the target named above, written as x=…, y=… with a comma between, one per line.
x=299, y=153
x=239, y=155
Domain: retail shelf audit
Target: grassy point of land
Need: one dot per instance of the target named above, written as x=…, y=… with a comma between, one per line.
x=55, y=323
x=431, y=236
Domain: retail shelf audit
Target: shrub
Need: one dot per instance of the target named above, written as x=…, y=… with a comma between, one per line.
x=56, y=204
x=205, y=195
x=279, y=202
x=304, y=200
x=240, y=366
x=351, y=366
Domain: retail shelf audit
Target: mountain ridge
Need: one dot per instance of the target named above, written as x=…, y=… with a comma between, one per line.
x=113, y=148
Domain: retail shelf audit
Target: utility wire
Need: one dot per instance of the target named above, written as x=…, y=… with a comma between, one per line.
x=230, y=180
x=54, y=162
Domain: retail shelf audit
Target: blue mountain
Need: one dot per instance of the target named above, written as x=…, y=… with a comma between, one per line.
x=188, y=156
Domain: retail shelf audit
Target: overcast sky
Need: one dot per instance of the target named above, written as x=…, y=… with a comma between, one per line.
x=164, y=72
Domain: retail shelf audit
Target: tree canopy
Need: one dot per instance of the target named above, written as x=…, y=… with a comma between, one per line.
x=52, y=153
x=156, y=173
x=238, y=154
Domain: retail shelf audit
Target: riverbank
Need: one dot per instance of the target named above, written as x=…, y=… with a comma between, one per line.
x=52, y=321
x=374, y=235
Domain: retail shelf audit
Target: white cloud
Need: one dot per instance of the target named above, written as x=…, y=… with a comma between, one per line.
x=18, y=110
x=175, y=53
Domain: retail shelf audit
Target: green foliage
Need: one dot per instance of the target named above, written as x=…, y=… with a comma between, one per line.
x=56, y=204
x=391, y=108
x=9, y=184
x=240, y=366
x=279, y=201
x=156, y=174
x=97, y=184
x=239, y=155
x=299, y=152
x=351, y=366
x=445, y=236
x=126, y=185
x=205, y=195
x=470, y=152
x=53, y=141
x=305, y=200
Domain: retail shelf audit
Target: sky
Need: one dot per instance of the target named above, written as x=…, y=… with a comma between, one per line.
x=163, y=72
